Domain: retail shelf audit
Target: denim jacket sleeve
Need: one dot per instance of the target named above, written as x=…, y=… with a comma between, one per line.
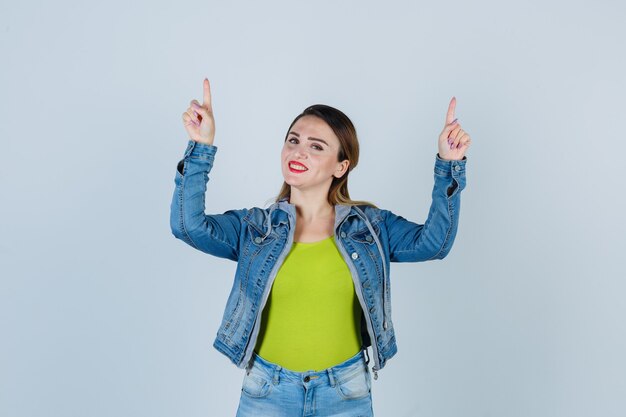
x=413, y=242
x=215, y=234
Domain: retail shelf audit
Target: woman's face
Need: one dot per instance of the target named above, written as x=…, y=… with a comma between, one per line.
x=312, y=146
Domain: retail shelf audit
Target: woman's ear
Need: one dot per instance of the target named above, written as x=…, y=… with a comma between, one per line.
x=342, y=168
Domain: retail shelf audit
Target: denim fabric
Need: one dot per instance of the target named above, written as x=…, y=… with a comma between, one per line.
x=259, y=239
x=269, y=390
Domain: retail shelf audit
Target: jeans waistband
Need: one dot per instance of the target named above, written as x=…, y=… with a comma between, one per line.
x=342, y=371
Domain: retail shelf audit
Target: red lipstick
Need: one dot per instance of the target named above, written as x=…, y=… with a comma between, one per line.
x=297, y=171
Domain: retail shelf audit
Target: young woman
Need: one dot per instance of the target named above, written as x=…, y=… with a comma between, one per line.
x=311, y=292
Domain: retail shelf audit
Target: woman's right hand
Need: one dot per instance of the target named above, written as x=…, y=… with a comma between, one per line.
x=198, y=119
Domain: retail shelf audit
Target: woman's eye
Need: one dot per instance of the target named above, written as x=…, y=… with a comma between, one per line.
x=316, y=147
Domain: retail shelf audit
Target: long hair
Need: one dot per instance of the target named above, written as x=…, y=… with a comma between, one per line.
x=348, y=149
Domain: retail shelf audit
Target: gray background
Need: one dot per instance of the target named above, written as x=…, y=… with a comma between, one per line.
x=104, y=313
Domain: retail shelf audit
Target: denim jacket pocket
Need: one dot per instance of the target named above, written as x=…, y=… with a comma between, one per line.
x=259, y=238
x=364, y=235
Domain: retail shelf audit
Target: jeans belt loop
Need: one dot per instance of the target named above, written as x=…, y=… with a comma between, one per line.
x=276, y=379
x=331, y=377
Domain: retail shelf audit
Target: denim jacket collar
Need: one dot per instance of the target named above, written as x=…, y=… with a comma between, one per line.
x=341, y=212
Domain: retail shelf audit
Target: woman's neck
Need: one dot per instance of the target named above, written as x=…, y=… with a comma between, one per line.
x=310, y=208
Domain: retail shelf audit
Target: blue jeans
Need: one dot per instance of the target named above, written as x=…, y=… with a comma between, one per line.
x=342, y=390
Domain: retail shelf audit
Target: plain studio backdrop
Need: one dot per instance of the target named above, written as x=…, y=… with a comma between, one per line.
x=104, y=313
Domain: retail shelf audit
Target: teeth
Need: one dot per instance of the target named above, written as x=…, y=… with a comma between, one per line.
x=298, y=167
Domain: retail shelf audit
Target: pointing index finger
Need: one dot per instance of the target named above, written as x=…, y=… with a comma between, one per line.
x=207, y=94
x=451, y=107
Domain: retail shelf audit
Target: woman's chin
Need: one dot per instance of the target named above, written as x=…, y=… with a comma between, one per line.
x=292, y=183
x=292, y=179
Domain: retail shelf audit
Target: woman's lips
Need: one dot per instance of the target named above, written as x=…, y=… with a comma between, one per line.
x=296, y=171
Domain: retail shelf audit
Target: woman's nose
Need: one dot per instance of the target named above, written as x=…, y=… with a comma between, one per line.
x=300, y=153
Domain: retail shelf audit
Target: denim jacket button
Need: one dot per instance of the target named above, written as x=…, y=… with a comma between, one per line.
x=258, y=239
x=457, y=168
x=355, y=255
x=369, y=238
x=342, y=234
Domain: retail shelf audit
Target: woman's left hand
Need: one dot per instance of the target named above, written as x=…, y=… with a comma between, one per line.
x=453, y=141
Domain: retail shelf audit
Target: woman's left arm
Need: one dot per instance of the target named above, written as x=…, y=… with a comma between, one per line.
x=414, y=242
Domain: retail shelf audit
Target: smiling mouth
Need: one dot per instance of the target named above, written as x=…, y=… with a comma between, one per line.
x=297, y=168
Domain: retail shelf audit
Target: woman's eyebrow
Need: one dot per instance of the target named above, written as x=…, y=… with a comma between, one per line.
x=312, y=138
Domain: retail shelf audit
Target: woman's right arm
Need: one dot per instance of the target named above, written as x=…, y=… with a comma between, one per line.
x=216, y=234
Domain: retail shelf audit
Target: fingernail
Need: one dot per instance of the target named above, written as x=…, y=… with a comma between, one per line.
x=195, y=105
x=459, y=145
x=451, y=145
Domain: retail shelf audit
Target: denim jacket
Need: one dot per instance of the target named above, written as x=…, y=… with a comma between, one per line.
x=259, y=239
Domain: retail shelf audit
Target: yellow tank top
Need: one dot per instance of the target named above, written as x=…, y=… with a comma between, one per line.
x=312, y=318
